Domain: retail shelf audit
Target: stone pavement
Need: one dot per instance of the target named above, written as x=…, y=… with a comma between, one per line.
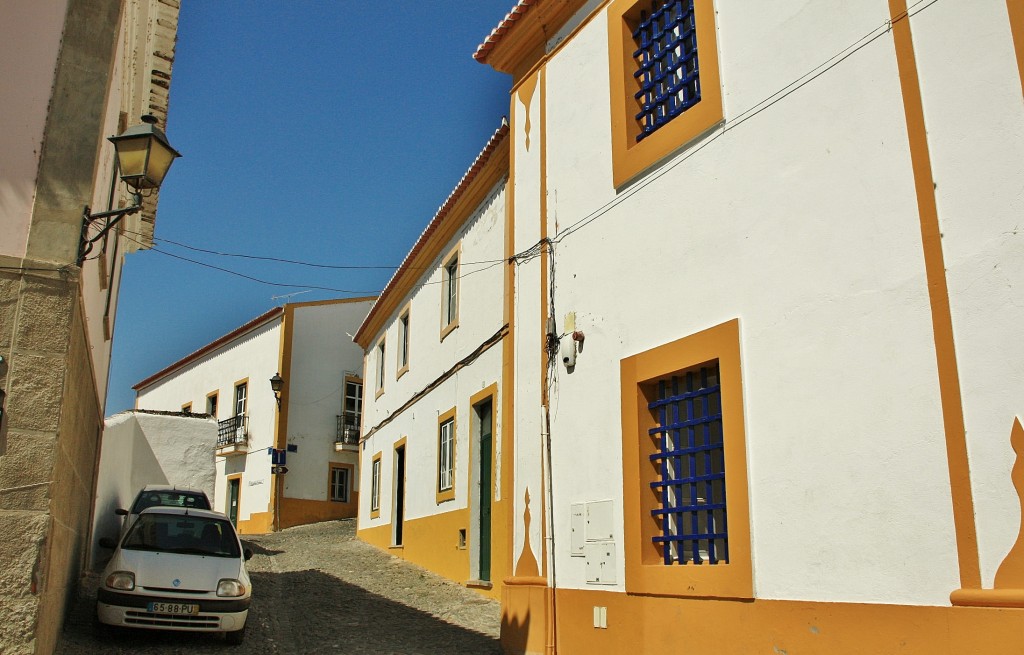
x=317, y=589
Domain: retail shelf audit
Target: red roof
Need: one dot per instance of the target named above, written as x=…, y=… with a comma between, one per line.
x=506, y=24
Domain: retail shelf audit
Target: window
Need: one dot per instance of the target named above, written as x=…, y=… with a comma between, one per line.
x=446, y=456
x=450, y=292
x=211, y=404
x=241, y=397
x=351, y=411
x=187, y=408
x=684, y=468
x=380, y=366
x=403, y=342
x=375, y=487
x=663, y=61
x=339, y=483
x=690, y=464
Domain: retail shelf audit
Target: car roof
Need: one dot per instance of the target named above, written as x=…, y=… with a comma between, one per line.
x=184, y=511
x=172, y=487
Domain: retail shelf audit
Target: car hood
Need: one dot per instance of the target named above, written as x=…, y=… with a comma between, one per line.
x=175, y=571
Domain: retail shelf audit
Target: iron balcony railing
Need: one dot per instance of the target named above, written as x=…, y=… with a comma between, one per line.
x=348, y=430
x=232, y=431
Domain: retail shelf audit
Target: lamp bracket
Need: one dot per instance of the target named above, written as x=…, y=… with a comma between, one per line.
x=112, y=217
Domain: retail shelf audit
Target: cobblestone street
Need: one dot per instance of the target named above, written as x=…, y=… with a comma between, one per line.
x=317, y=589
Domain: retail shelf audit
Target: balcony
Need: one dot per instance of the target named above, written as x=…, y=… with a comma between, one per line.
x=347, y=437
x=233, y=435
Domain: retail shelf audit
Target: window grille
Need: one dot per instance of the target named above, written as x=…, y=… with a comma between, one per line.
x=666, y=58
x=446, y=459
x=690, y=458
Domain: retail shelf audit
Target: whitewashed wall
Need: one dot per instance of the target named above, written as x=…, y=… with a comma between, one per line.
x=801, y=220
x=140, y=449
x=975, y=117
x=253, y=355
x=322, y=354
x=480, y=317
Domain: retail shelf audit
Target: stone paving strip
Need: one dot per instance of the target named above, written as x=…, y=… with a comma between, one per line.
x=317, y=589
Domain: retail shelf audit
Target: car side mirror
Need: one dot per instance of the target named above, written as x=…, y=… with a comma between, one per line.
x=107, y=542
x=121, y=512
x=247, y=553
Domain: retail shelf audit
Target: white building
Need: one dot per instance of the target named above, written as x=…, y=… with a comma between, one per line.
x=308, y=429
x=435, y=490
x=778, y=245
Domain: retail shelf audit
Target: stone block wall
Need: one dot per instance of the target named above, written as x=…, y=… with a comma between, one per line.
x=48, y=450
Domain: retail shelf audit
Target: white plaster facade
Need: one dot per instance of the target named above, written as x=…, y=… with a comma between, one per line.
x=307, y=344
x=142, y=448
x=453, y=364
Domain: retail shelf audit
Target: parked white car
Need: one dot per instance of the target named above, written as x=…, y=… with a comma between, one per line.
x=177, y=569
x=153, y=495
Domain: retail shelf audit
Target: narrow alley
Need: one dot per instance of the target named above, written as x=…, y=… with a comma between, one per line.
x=317, y=589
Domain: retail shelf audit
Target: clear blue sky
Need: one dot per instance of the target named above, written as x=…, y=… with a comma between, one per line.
x=325, y=132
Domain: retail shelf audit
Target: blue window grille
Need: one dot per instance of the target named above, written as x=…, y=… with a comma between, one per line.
x=690, y=460
x=666, y=58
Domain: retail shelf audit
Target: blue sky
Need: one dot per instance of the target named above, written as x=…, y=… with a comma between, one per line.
x=323, y=132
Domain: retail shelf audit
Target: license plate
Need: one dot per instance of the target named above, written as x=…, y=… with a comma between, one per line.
x=172, y=608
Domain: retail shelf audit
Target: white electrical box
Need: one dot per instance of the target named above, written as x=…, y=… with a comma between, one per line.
x=600, y=562
x=600, y=515
x=578, y=524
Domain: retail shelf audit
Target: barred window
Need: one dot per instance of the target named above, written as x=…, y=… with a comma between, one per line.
x=666, y=58
x=690, y=458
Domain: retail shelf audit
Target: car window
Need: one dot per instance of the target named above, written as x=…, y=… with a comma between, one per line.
x=169, y=499
x=174, y=533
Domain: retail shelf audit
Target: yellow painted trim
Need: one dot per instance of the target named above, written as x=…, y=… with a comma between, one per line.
x=259, y=523
x=377, y=461
x=213, y=394
x=433, y=543
x=443, y=495
x=938, y=296
x=227, y=497
x=629, y=157
x=454, y=253
x=405, y=313
x=501, y=513
x=303, y=511
x=285, y=368
x=333, y=301
x=351, y=480
x=380, y=352
x=488, y=392
x=545, y=257
x=645, y=572
x=1015, y=11
x=187, y=408
x=652, y=624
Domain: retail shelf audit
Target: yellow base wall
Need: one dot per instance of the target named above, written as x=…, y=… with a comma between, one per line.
x=298, y=511
x=433, y=543
x=260, y=523
x=648, y=624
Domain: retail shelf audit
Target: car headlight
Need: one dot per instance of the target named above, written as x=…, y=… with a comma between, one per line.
x=230, y=587
x=123, y=580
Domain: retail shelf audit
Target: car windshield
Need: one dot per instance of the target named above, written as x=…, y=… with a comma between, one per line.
x=178, y=533
x=170, y=498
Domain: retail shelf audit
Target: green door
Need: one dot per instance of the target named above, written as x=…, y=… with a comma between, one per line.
x=485, y=414
x=233, y=486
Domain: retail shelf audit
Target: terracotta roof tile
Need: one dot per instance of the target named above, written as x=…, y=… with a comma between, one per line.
x=506, y=24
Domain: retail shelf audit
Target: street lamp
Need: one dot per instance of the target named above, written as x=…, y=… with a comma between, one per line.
x=143, y=157
x=275, y=385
